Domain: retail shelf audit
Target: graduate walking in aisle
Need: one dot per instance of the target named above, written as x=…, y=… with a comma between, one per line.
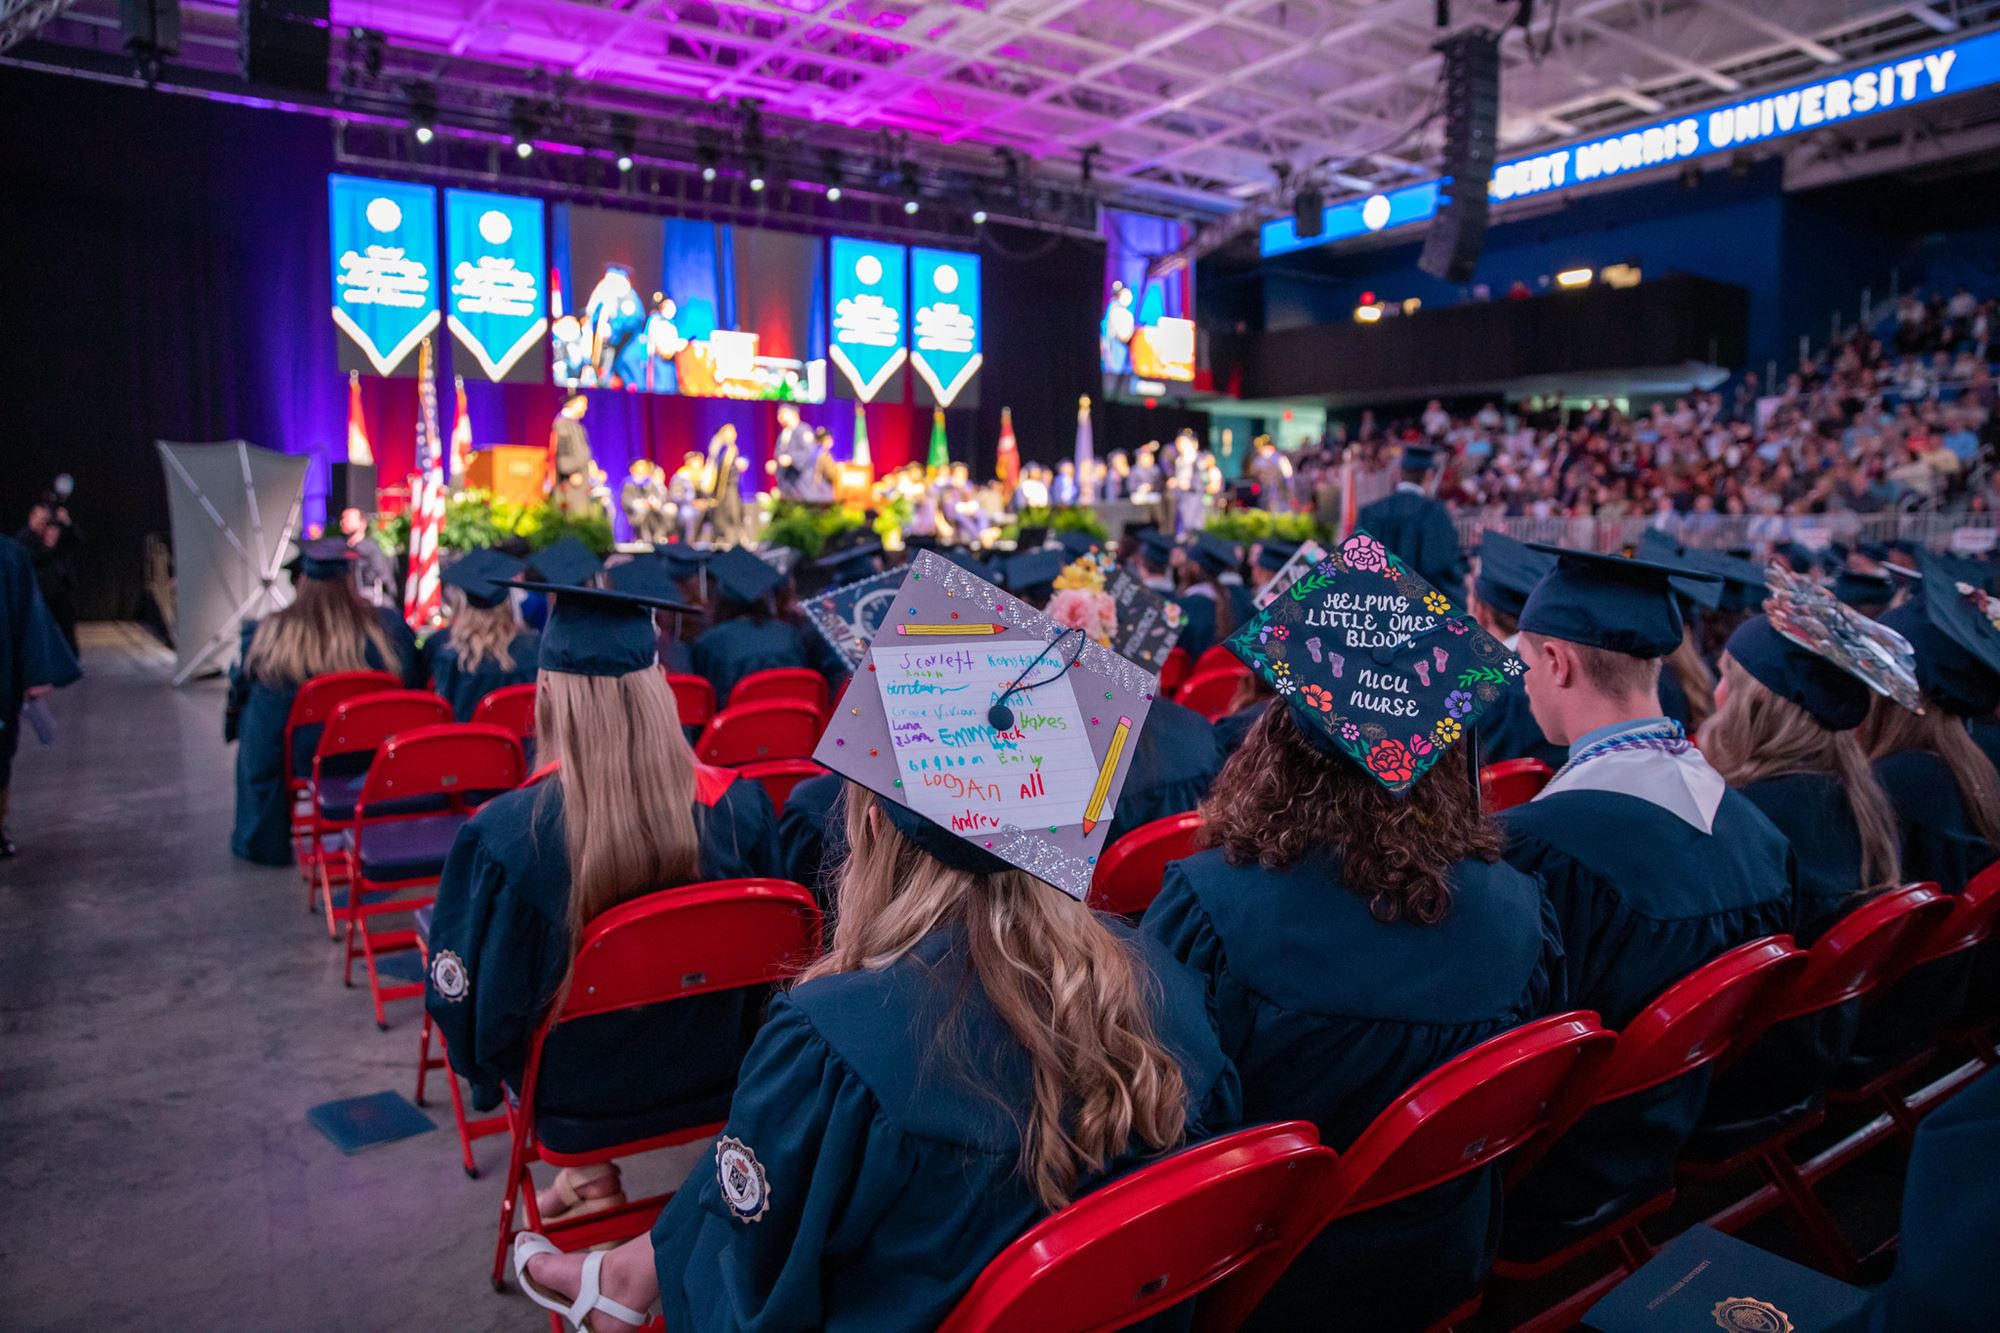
x=1412, y=524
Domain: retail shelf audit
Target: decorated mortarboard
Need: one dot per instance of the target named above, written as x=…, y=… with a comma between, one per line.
x=1077, y=544
x=1033, y=575
x=1508, y=572
x=1834, y=696
x=1302, y=560
x=848, y=616
x=479, y=575
x=1874, y=652
x=325, y=558
x=1273, y=554
x=1217, y=555
x=740, y=576
x=1375, y=663
x=567, y=562
x=994, y=735
x=1607, y=601
x=594, y=630
x=1955, y=634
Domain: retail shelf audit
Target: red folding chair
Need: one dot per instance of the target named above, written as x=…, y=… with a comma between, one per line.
x=511, y=708
x=1214, y=693
x=1130, y=871
x=1468, y=1112
x=393, y=852
x=746, y=733
x=1854, y=955
x=347, y=743
x=782, y=685
x=312, y=704
x=1512, y=782
x=1174, y=671
x=1973, y=1032
x=1691, y=1024
x=1215, y=657
x=669, y=945
x=694, y=697
x=779, y=776
x=1221, y=1217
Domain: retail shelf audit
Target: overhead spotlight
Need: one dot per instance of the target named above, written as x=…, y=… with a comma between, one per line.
x=833, y=194
x=910, y=206
x=1090, y=162
x=523, y=149
x=1367, y=314
x=423, y=113
x=1574, y=277
x=706, y=155
x=757, y=176
x=523, y=134
x=978, y=217
x=625, y=138
x=708, y=173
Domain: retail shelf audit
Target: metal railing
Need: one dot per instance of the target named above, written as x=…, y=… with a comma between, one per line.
x=1964, y=533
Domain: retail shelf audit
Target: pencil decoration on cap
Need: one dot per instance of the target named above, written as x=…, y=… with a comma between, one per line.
x=1093, y=810
x=923, y=631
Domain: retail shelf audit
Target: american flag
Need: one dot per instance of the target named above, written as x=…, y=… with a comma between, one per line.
x=423, y=602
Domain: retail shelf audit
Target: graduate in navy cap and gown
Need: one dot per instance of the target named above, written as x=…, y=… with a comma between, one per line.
x=1232, y=728
x=853, y=563
x=1358, y=928
x=327, y=628
x=1744, y=589
x=36, y=659
x=1209, y=610
x=1652, y=864
x=619, y=808
x=1410, y=522
x=485, y=647
x=754, y=626
x=1687, y=682
x=1508, y=572
x=916, y=1102
x=1031, y=576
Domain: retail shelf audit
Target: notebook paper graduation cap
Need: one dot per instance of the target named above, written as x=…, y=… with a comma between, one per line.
x=917, y=728
x=1375, y=663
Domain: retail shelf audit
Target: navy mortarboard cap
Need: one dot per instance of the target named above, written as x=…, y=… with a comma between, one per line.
x=1508, y=572
x=1854, y=588
x=963, y=557
x=1743, y=583
x=1273, y=554
x=568, y=562
x=1874, y=652
x=1157, y=548
x=648, y=576
x=1375, y=664
x=1693, y=592
x=325, y=558
x=1217, y=555
x=1032, y=576
x=596, y=631
x=1956, y=634
x=1796, y=556
x=922, y=541
x=1607, y=601
x=1835, y=698
x=1077, y=544
x=1418, y=457
x=478, y=575
x=855, y=561
x=682, y=560
x=740, y=576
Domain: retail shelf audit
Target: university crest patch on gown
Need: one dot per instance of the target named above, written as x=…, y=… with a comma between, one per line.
x=448, y=976
x=741, y=1177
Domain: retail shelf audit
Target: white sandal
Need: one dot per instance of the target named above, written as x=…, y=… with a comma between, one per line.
x=589, y=1298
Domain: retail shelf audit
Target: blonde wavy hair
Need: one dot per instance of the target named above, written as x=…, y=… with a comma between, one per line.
x=1070, y=992
x=1891, y=729
x=627, y=783
x=1755, y=734
x=482, y=632
x=327, y=628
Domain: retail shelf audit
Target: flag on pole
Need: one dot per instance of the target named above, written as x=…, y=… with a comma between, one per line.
x=1008, y=468
x=461, y=437
x=862, y=457
x=422, y=594
x=359, y=452
x=1086, y=454
x=1349, y=509
x=940, y=459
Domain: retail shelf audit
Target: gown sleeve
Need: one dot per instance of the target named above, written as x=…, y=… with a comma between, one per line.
x=1576, y=908
x=808, y=1172
x=739, y=833
x=488, y=981
x=1177, y=921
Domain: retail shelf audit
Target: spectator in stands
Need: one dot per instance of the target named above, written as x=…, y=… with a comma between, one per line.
x=485, y=647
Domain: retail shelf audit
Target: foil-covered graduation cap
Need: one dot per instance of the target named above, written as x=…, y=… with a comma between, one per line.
x=1808, y=614
x=1835, y=696
x=1376, y=664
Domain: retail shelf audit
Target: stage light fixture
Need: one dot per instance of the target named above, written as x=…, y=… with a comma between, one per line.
x=1574, y=277
x=425, y=134
x=625, y=139
x=910, y=207
x=523, y=149
x=423, y=113
x=756, y=180
x=978, y=217
x=1367, y=314
x=833, y=194
x=1309, y=211
x=708, y=173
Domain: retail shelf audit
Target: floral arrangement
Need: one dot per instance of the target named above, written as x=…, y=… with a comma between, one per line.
x=1080, y=601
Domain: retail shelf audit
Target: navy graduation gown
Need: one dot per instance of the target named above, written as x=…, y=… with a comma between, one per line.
x=1233, y=730
x=1172, y=766
x=35, y=651
x=463, y=689
x=1673, y=697
x=1508, y=730
x=1986, y=735
x=1812, y=811
x=1643, y=898
x=728, y=652
x=1197, y=624
x=812, y=835
x=870, y=1168
x=1330, y=1015
x=1420, y=530
x=501, y=915
x=1939, y=840
x=262, y=831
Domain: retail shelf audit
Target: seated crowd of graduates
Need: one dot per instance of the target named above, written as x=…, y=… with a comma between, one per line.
x=975, y=1048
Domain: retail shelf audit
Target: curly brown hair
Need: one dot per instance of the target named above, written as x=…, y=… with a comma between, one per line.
x=1280, y=798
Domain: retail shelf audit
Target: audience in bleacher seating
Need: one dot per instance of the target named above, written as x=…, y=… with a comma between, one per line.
x=754, y=623
x=1651, y=864
x=975, y=1050
x=620, y=808
x=484, y=647
x=327, y=628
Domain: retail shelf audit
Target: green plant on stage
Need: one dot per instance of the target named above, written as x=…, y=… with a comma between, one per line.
x=808, y=528
x=1071, y=519
x=475, y=519
x=894, y=516
x=1254, y=525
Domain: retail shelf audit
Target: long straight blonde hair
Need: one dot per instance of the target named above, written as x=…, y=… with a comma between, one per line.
x=327, y=628
x=627, y=784
x=1891, y=729
x=1757, y=735
x=1070, y=992
x=480, y=632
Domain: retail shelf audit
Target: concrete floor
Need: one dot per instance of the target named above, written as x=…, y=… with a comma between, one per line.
x=167, y=1015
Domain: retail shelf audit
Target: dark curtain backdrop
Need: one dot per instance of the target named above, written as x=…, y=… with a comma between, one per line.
x=172, y=254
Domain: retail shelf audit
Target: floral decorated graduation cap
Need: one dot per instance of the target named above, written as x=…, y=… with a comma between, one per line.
x=1808, y=614
x=1375, y=663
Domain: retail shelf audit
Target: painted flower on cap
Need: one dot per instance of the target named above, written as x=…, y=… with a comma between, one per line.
x=1391, y=762
x=1419, y=746
x=1364, y=553
x=1457, y=704
x=1285, y=685
x=1447, y=731
x=1513, y=666
x=1349, y=732
x=1318, y=698
x=1436, y=603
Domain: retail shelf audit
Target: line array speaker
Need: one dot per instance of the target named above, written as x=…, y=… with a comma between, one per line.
x=1472, y=123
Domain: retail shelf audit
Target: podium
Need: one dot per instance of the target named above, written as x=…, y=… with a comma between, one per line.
x=511, y=471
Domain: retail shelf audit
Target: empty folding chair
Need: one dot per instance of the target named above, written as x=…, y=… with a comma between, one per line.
x=1174, y=671
x=1130, y=871
x=512, y=709
x=1214, y=693
x=746, y=733
x=694, y=697
x=779, y=776
x=1512, y=782
x=311, y=706
x=782, y=685
x=347, y=744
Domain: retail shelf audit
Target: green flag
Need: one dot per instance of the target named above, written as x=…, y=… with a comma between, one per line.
x=861, y=454
x=940, y=459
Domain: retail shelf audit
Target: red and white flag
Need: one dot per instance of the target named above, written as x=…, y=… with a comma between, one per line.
x=1350, y=508
x=461, y=438
x=359, y=452
x=423, y=600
